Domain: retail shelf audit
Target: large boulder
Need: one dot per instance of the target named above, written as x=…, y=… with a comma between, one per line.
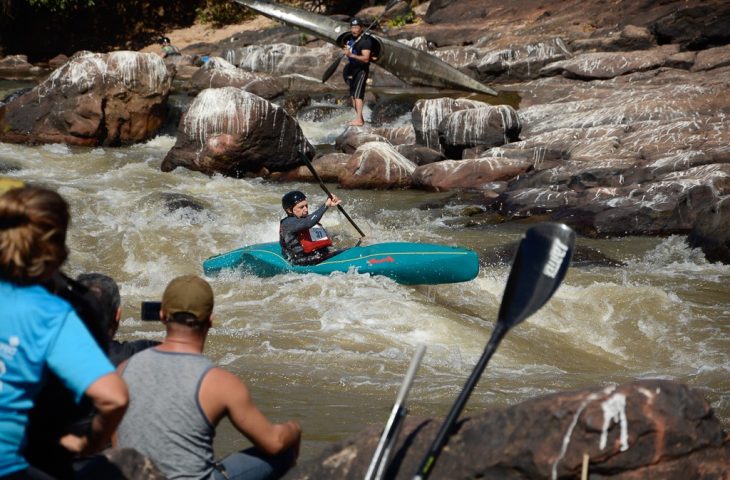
x=377, y=165
x=474, y=174
x=112, y=99
x=282, y=59
x=489, y=126
x=217, y=73
x=236, y=133
x=329, y=167
x=428, y=114
x=711, y=232
x=646, y=429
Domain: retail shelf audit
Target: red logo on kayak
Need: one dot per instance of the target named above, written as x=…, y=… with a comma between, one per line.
x=387, y=259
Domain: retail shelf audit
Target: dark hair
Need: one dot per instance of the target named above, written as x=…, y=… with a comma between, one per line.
x=33, y=223
x=188, y=319
x=106, y=290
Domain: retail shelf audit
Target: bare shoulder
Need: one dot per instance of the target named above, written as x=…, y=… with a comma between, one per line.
x=221, y=380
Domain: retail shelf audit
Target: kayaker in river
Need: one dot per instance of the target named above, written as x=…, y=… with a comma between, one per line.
x=303, y=240
x=178, y=397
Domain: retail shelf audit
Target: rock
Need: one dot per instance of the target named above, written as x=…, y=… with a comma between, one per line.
x=329, y=167
x=404, y=135
x=609, y=64
x=353, y=137
x=131, y=464
x=712, y=58
x=15, y=67
x=236, y=133
x=377, y=165
x=57, y=61
x=217, y=73
x=489, y=126
x=390, y=110
x=420, y=155
x=694, y=26
x=476, y=174
x=629, y=38
x=520, y=63
x=644, y=429
x=93, y=99
x=427, y=116
x=711, y=233
x=282, y=59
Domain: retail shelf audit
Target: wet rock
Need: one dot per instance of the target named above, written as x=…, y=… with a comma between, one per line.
x=15, y=67
x=489, y=126
x=645, y=429
x=57, y=61
x=476, y=174
x=217, y=73
x=390, y=109
x=711, y=232
x=519, y=63
x=236, y=133
x=694, y=26
x=94, y=99
x=329, y=167
x=428, y=114
x=178, y=201
x=377, y=165
x=712, y=58
x=419, y=154
x=630, y=38
x=609, y=64
x=8, y=167
x=13, y=95
x=683, y=60
x=292, y=103
x=404, y=135
x=353, y=137
x=281, y=59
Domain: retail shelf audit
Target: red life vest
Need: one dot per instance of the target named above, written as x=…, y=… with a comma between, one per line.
x=314, y=239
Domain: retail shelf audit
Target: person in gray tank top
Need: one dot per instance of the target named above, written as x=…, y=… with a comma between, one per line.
x=178, y=397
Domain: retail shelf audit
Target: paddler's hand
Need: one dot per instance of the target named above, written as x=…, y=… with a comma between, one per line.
x=348, y=53
x=332, y=201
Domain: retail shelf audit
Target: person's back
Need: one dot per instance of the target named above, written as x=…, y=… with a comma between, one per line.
x=178, y=397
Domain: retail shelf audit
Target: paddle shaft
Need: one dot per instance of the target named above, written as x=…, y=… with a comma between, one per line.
x=331, y=69
x=500, y=330
x=383, y=451
x=326, y=190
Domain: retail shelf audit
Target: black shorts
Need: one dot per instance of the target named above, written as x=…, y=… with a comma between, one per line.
x=357, y=83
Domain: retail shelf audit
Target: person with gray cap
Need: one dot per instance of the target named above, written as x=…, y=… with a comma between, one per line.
x=178, y=397
x=357, y=51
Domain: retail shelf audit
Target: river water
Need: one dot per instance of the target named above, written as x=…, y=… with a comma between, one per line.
x=331, y=352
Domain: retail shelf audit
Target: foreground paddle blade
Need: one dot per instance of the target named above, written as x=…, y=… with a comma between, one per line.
x=539, y=266
x=331, y=69
x=537, y=270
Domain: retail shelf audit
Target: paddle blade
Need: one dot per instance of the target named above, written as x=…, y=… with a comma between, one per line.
x=331, y=69
x=539, y=266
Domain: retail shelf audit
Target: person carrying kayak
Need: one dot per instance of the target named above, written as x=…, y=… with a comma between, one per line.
x=303, y=240
x=357, y=51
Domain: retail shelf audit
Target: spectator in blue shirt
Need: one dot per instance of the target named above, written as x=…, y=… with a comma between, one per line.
x=40, y=332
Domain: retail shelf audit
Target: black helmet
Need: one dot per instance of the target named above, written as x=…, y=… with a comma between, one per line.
x=292, y=198
x=163, y=40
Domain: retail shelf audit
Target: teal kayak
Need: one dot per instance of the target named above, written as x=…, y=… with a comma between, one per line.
x=406, y=263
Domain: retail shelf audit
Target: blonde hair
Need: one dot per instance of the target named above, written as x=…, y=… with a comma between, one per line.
x=33, y=223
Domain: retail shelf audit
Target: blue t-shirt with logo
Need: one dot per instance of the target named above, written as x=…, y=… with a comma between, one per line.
x=38, y=331
x=357, y=46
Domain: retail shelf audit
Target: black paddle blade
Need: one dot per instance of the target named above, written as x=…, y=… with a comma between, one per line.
x=539, y=266
x=331, y=69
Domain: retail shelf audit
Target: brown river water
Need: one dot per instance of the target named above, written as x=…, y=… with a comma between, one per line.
x=331, y=351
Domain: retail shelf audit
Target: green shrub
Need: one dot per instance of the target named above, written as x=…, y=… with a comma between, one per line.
x=223, y=12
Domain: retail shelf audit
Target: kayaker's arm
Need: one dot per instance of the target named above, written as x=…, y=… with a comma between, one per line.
x=294, y=224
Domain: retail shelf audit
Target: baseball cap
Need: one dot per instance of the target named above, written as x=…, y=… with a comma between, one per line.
x=190, y=294
x=355, y=22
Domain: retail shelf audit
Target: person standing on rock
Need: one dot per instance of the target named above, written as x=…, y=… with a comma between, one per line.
x=303, y=240
x=357, y=51
x=178, y=397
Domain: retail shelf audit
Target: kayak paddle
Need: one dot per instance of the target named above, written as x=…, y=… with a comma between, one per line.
x=326, y=190
x=539, y=266
x=383, y=451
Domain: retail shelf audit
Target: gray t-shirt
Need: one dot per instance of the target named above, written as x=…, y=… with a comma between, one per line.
x=164, y=420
